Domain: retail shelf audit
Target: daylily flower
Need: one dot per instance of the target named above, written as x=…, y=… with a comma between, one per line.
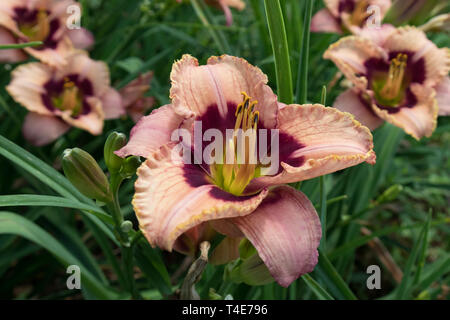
x=40, y=20
x=78, y=95
x=342, y=16
x=172, y=196
x=225, y=5
x=133, y=96
x=399, y=76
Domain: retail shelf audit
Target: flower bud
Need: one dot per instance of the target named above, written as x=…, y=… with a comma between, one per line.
x=251, y=271
x=126, y=226
x=246, y=249
x=85, y=174
x=114, y=142
x=129, y=166
x=389, y=194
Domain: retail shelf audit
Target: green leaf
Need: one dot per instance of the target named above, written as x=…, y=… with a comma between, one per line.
x=280, y=49
x=20, y=45
x=18, y=200
x=320, y=292
x=11, y=223
x=331, y=278
x=302, y=78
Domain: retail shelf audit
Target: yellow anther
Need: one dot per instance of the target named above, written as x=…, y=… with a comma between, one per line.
x=396, y=76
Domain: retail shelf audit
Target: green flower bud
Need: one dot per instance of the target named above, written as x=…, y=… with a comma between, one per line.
x=114, y=142
x=251, y=271
x=85, y=174
x=246, y=249
x=390, y=194
x=126, y=226
x=129, y=166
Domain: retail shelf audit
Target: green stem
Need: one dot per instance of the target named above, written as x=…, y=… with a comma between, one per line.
x=20, y=45
x=280, y=49
x=323, y=191
x=302, y=78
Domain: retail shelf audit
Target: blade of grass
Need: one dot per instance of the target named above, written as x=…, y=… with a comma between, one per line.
x=280, y=49
x=302, y=78
x=323, y=192
x=320, y=292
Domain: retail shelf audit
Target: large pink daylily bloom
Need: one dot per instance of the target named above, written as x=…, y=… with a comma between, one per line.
x=77, y=95
x=40, y=20
x=225, y=5
x=173, y=197
x=341, y=16
x=133, y=97
x=399, y=76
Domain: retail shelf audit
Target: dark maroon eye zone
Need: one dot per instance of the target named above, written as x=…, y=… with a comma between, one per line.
x=55, y=88
x=26, y=18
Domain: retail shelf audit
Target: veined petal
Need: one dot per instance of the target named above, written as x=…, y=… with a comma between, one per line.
x=350, y=101
x=443, y=96
x=40, y=129
x=286, y=232
x=220, y=83
x=350, y=54
x=419, y=120
x=27, y=86
x=330, y=140
x=172, y=197
x=55, y=57
x=324, y=21
x=81, y=38
x=92, y=121
x=410, y=39
x=97, y=72
x=112, y=104
x=151, y=132
x=10, y=55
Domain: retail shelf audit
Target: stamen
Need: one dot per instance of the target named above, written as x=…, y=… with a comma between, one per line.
x=395, y=77
x=240, y=162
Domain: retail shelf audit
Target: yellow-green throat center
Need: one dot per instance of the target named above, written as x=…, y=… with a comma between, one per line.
x=240, y=162
x=39, y=30
x=389, y=90
x=70, y=98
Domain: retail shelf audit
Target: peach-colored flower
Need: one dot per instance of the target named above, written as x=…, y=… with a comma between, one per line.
x=225, y=6
x=173, y=196
x=78, y=95
x=342, y=16
x=133, y=97
x=40, y=20
x=399, y=76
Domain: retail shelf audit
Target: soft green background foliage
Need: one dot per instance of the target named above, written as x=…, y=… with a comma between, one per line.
x=46, y=224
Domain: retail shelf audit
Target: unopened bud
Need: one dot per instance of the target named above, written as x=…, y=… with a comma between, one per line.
x=129, y=166
x=85, y=174
x=441, y=23
x=126, y=226
x=246, y=249
x=114, y=142
x=390, y=194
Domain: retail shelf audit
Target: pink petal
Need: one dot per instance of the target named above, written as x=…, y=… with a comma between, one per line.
x=419, y=120
x=350, y=53
x=27, y=86
x=220, y=83
x=172, y=197
x=329, y=140
x=139, y=109
x=286, y=232
x=81, y=38
x=226, y=251
x=10, y=55
x=227, y=12
x=333, y=6
x=324, y=21
x=410, y=39
x=136, y=89
x=92, y=121
x=40, y=130
x=377, y=35
x=151, y=132
x=443, y=96
x=55, y=57
x=112, y=104
x=351, y=102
